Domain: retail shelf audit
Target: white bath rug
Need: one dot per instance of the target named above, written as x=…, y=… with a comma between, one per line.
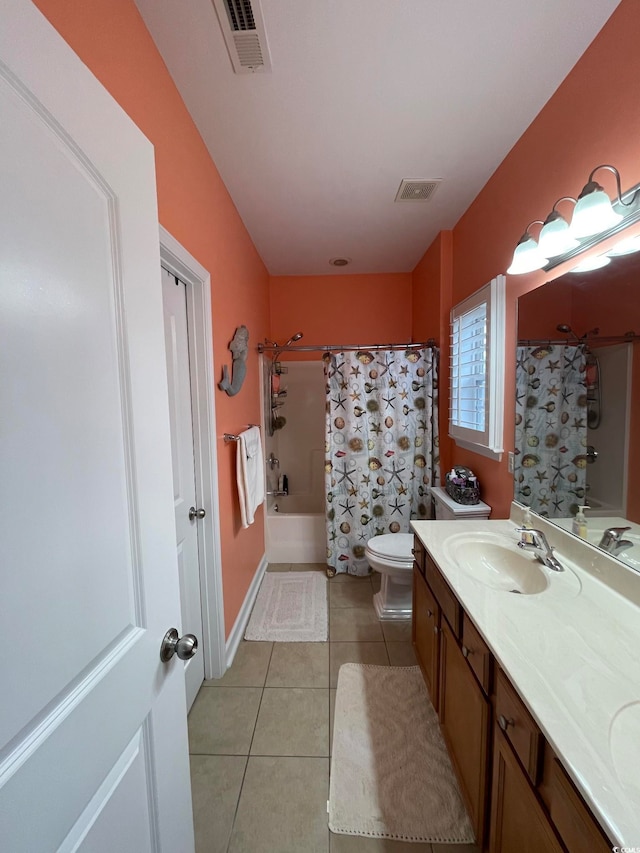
x=391, y=776
x=291, y=607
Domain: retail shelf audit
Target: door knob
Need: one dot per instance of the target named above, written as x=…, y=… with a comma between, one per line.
x=196, y=513
x=185, y=647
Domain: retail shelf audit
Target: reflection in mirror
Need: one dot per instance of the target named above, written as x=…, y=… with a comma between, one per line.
x=578, y=403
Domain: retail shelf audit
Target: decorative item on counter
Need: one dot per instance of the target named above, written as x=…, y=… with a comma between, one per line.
x=462, y=485
x=239, y=347
x=579, y=525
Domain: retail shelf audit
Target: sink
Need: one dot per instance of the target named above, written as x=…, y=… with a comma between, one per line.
x=496, y=562
x=625, y=729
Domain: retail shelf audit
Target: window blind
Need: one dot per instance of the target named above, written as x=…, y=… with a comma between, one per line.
x=469, y=368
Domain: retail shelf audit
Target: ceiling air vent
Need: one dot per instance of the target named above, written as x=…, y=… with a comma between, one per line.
x=243, y=30
x=417, y=189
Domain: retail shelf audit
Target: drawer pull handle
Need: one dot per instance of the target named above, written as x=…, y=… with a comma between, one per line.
x=504, y=723
x=466, y=652
x=429, y=613
x=435, y=629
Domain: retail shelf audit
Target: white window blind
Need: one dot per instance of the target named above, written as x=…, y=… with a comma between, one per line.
x=477, y=370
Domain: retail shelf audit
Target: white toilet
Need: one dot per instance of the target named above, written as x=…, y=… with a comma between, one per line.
x=391, y=554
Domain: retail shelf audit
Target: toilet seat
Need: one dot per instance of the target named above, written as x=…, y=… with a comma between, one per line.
x=392, y=547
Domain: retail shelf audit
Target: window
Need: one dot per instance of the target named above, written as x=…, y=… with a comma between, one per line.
x=476, y=412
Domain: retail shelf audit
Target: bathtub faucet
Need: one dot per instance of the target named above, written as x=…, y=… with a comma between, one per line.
x=273, y=462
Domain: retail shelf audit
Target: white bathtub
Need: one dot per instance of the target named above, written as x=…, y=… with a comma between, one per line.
x=293, y=534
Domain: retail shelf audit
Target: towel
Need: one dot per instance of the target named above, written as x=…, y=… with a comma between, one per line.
x=250, y=474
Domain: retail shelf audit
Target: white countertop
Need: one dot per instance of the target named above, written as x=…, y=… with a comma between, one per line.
x=573, y=654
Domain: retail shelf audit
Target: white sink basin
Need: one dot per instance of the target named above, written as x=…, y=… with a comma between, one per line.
x=496, y=562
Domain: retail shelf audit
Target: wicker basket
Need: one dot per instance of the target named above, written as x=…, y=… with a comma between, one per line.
x=467, y=494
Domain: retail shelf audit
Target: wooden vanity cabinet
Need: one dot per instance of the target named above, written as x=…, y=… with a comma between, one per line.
x=464, y=713
x=425, y=629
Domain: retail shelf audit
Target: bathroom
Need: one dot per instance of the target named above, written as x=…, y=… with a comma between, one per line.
x=456, y=249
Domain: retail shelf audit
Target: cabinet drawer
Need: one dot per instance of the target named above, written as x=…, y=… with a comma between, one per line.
x=571, y=816
x=518, y=726
x=449, y=604
x=477, y=653
x=419, y=554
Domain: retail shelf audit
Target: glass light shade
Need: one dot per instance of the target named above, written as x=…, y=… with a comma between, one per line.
x=625, y=247
x=595, y=262
x=527, y=257
x=592, y=214
x=555, y=237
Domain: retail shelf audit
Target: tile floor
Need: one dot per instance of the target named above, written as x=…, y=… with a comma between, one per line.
x=260, y=737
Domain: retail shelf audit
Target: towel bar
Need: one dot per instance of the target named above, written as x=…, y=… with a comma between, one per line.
x=229, y=436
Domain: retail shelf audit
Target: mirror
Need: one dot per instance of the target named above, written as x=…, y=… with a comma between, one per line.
x=578, y=402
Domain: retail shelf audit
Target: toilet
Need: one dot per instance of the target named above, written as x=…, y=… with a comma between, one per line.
x=391, y=554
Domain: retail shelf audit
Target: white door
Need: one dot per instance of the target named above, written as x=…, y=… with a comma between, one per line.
x=93, y=742
x=176, y=336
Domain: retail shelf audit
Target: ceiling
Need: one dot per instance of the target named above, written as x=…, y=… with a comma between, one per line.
x=364, y=93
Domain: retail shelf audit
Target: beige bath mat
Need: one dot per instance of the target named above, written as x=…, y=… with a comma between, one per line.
x=391, y=776
x=291, y=607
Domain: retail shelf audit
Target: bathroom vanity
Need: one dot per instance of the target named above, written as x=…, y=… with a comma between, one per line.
x=536, y=681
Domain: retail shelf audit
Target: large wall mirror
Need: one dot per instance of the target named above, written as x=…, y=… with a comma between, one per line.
x=577, y=432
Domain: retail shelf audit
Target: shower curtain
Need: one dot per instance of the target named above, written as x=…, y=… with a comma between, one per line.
x=551, y=429
x=382, y=454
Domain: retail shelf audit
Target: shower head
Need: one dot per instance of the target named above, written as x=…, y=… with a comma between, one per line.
x=293, y=339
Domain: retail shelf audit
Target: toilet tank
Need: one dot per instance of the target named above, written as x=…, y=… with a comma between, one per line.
x=447, y=509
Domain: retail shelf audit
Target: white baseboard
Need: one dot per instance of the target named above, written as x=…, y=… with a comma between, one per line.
x=242, y=619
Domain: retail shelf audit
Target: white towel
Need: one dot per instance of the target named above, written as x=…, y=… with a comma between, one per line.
x=250, y=474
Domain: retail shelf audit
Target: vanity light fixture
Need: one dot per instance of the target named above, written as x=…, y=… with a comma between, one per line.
x=555, y=236
x=594, y=218
x=594, y=262
x=527, y=256
x=593, y=212
x=625, y=247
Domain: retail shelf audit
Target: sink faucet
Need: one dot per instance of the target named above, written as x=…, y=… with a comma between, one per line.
x=612, y=541
x=535, y=540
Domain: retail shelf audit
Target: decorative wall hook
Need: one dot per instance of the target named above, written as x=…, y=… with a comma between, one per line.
x=239, y=347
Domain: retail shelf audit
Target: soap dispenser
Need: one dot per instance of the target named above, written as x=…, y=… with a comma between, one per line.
x=579, y=526
x=526, y=518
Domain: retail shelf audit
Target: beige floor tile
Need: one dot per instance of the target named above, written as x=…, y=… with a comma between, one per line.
x=359, y=844
x=249, y=667
x=456, y=848
x=343, y=577
x=309, y=567
x=396, y=632
x=292, y=721
x=354, y=624
x=401, y=654
x=339, y=653
x=222, y=720
x=351, y=594
x=332, y=711
x=215, y=788
x=283, y=807
x=279, y=567
x=299, y=665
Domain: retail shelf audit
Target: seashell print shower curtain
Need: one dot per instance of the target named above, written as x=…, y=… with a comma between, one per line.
x=382, y=449
x=551, y=429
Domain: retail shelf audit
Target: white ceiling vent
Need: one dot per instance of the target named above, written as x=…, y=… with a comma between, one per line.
x=243, y=30
x=417, y=189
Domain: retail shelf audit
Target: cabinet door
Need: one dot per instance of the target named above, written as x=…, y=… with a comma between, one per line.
x=426, y=623
x=518, y=822
x=464, y=717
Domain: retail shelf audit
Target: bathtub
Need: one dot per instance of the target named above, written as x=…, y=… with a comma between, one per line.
x=295, y=533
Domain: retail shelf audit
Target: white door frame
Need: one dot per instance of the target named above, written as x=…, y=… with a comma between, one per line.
x=181, y=263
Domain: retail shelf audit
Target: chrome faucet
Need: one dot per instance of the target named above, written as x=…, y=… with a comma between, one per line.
x=535, y=540
x=272, y=462
x=612, y=541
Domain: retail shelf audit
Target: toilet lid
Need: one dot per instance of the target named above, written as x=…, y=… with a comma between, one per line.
x=392, y=546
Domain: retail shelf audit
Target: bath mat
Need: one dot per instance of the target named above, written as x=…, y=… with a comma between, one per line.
x=391, y=776
x=291, y=607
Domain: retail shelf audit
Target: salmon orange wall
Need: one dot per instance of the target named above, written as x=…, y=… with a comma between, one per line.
x=341, y=309
x=195, y=207
x=431, y=298
x=592, y=118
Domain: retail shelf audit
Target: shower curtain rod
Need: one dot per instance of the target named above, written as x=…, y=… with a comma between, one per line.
x=606, y=339
x=431, y=343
